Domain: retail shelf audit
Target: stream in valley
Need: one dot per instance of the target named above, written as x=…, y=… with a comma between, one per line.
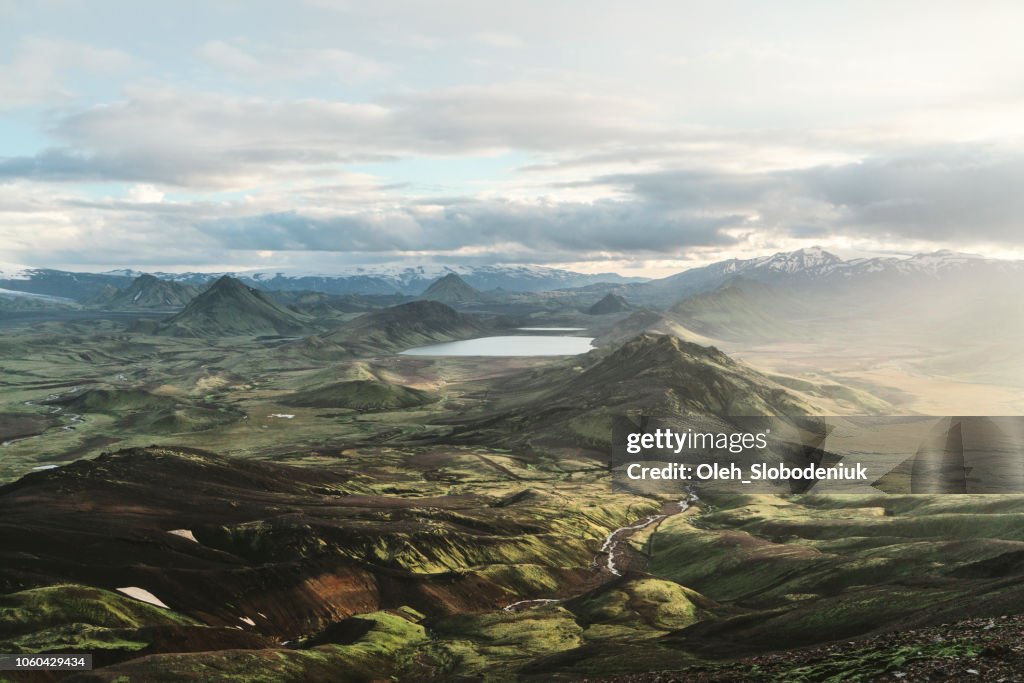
x=610, y=558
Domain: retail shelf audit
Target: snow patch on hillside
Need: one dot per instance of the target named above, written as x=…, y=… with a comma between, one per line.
x=12, y=271
x=39, y=297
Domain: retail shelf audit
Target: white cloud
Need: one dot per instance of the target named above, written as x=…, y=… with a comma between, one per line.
x=208, y=140
x=40, y=69
x=145, y=194
x=244, y=61
x=628, y=133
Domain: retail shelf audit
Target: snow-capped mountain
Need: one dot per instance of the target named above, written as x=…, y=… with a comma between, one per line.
x=813, y=261
x=823, y=269
x=12, y=300
x=406, y=279
x=57, y=283
x=15, y=294
x=935, y=263
x=12, y=271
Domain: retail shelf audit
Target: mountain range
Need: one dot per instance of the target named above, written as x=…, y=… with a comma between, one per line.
x=822, y=269
x=394, y=279
x=403, y=279
x=805, y=266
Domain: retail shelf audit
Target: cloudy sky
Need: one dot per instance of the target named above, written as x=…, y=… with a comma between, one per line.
x=642, y=137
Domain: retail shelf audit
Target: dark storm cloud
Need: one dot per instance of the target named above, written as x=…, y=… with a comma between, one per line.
x=933, y=194
x=700, y=189
x=946, y=194
x=454, y=224
x=292, y=231
x=938, y=194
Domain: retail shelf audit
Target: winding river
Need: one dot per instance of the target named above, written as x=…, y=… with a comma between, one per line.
x=613, y=549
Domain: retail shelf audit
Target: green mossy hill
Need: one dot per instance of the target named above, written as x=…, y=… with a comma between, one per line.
x=141, y=410
x=639, y=606
x=183, y=419
x=363, y=395
x=75, y=618
x=389, y=642
x=487, y=646
x=68, y=603
x=630, y=612
x=229, y=308
x=691, y=378
x=114, y=401
x=650, y=374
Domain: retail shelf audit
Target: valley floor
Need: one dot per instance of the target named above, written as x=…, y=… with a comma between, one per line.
x=389, y=517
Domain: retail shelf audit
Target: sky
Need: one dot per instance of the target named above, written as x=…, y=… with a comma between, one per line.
x=643, y=137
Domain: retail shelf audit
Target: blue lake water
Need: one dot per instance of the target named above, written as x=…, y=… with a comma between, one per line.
x=513, y=345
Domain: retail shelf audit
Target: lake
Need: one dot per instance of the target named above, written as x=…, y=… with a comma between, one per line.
x=551, y=329
x=515, y=345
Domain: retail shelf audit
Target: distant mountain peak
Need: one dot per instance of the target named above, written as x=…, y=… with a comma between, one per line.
x=611, y=303
x=228, y=282
x=228, y=308
x=801, y=259
x=451, y=289
x=650, y=374
x=664, y=348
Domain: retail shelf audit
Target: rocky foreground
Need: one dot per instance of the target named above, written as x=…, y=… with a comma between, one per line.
x=970, y=650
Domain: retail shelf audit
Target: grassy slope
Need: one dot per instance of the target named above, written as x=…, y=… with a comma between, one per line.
x=229, y=308
x=815, y=569
x=77, y=619
x=365, y=395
